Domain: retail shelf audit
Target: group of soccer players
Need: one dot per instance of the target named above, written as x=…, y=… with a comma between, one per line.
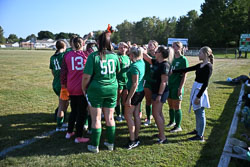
x=97, y=82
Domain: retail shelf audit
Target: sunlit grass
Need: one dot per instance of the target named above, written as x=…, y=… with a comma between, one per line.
x=27, y=104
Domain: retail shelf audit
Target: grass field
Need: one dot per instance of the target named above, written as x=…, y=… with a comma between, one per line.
x=27, y=103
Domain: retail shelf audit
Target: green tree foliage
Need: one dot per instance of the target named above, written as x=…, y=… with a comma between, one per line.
x=222, y=22
x=12, y=38
x=2, y=39
x=185, y=27
x=62, y=35
x=237, y=20
x=146, y=29
x=45, y=34
x=30, y=37
x=210, y=26
x=20, y=39
x=97, y=33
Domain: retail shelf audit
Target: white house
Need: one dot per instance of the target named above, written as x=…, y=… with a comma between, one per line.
x=45, y=43
x=16, y=45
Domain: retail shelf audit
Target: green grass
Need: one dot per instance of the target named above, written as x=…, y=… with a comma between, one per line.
x=27, y=103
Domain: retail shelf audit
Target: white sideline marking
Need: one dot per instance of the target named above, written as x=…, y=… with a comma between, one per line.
x=26, y=142
x=46, y=134
x=227, y=151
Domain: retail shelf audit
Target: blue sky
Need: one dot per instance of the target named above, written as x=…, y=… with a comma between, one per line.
x=25, y=17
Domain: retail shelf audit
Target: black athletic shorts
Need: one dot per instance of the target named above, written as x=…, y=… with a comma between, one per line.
x=137, y=98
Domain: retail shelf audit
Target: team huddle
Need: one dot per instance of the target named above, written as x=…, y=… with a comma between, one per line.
x=98, y=82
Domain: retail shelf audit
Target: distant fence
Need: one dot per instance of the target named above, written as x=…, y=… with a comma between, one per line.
x=219, y=52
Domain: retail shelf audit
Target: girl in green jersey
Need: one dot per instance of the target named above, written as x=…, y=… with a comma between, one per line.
x=135, y=75
x=55, y=66
x=176, y=88
x=122, y=79
x=99, y=84
x=152, y=48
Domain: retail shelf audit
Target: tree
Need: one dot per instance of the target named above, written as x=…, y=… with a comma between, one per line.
x=2, y=39
x=12, y=38
x=62, y=35
x=45, y=34
x=210, y=25
x=20, y=40
x=124, y=32
x=97, y=33
x=30, y=37
x=185, y=27
x=236, y=21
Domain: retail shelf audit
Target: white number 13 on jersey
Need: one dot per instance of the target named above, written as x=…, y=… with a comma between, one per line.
x=107, y=67
x=77, y=63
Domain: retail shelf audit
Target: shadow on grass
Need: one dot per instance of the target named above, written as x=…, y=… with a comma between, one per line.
x=212, y=150
x=15, y=128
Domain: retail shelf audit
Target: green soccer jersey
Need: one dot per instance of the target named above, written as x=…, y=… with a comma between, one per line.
x=136, y=68
x=103, y=72
x=175, y=78
x=124, y=64
x=148, y=71
x=68, y=50
x=55, y=66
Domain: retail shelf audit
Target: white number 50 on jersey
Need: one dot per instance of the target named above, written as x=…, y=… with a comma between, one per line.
x=78, y=61
x=107, y=67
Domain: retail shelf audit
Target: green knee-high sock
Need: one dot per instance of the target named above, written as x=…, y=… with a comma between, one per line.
x=118, y=110
x=89, y=122
x=111, y=134
x=172, y=116
x=95, y=136
x=178, y=117
x=123, y=109
x=148, y=111
x=59, y=121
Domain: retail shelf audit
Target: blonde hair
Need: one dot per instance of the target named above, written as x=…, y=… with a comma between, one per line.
x=170, y=55
x=154, y=42
x=137, y=52
x=122, y=44
x=179, y=45
x=208, y=52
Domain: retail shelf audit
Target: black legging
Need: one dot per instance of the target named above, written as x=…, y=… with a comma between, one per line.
x=78, y=113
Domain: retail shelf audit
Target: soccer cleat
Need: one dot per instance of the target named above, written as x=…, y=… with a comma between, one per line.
x=119, y=118
x=69, y=135
x=133, y=144
x=94, y=149
x=176, y=129
x=197, y=137
x=194, y=132
x=148, y=122
x=61, y=129
x=85, y=127
x=162, y=141
x=81, y=140
x=109, y=146
x=171, y=125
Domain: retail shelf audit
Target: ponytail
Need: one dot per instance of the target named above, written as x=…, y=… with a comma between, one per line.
x=211, y=58
x=60, y=44
x=209, y=53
